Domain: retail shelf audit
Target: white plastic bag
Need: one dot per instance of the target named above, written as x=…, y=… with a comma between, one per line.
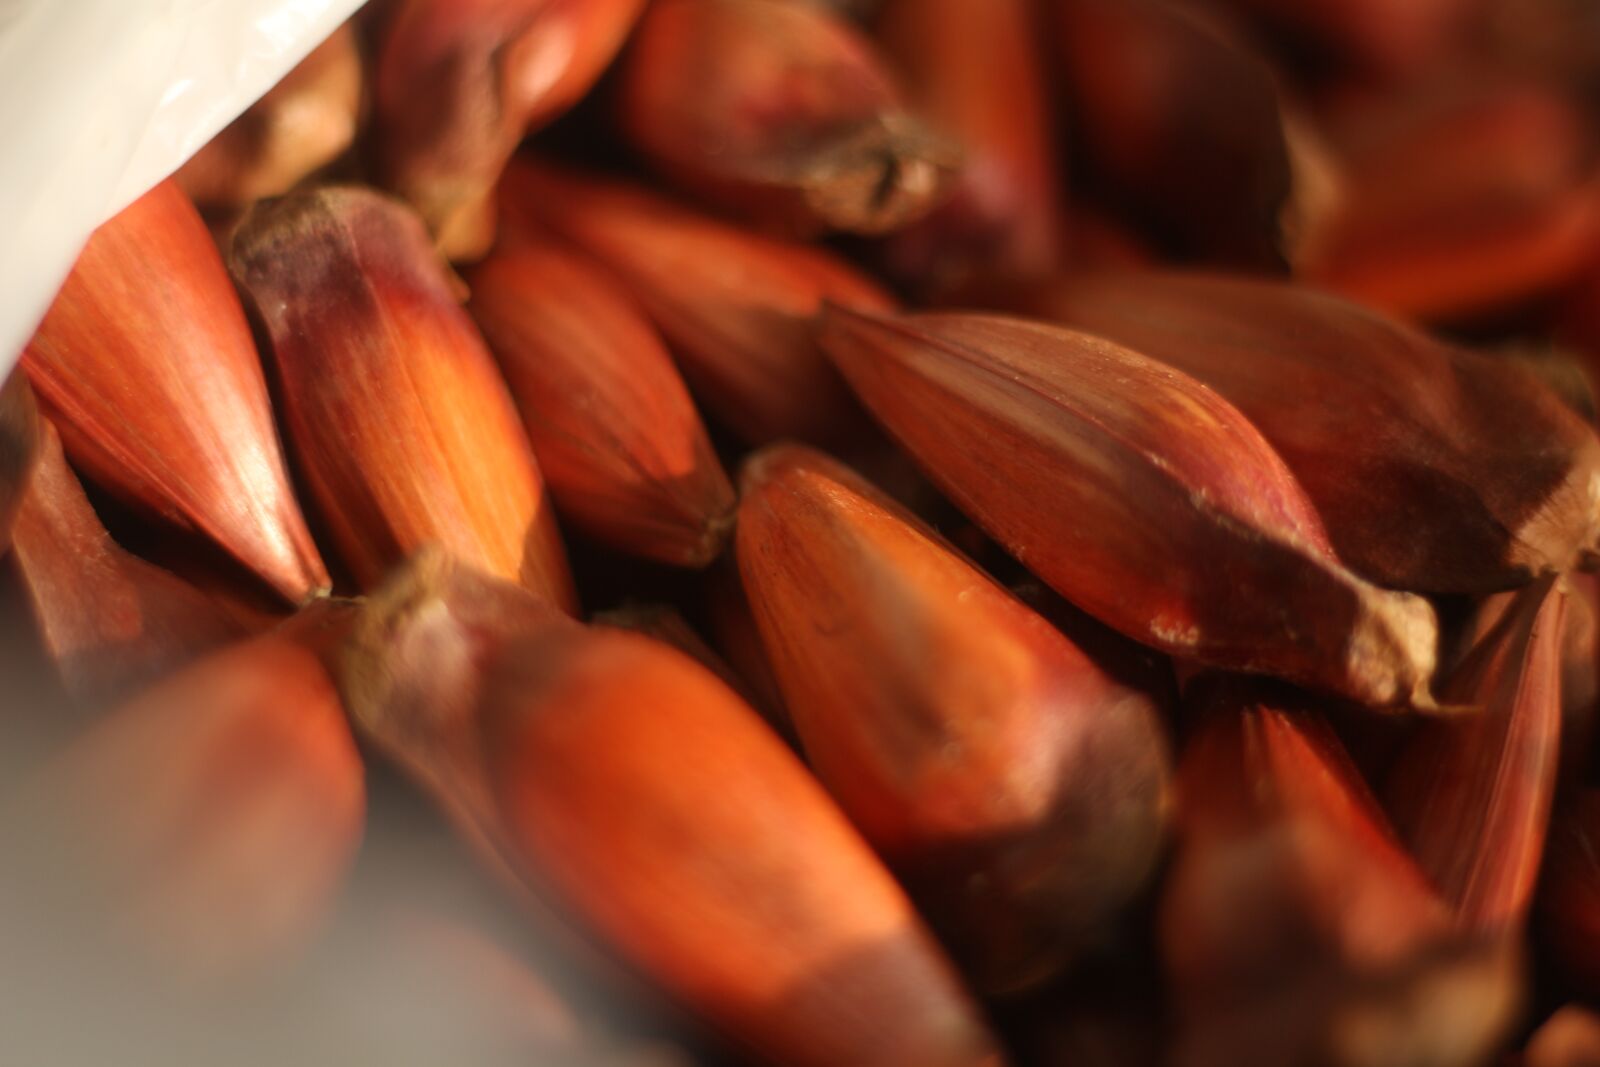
x=101, y=99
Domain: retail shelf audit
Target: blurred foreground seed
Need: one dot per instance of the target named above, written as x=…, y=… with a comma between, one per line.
x=399, y=418
x=491, y=1006
x=619, y=441
x=210, y=821
x=450, y=964
x=146, y=366
x=453, y=976
x=1434, y=469
x=682, y=828
x=637, y=788
x=411, y=676
x=783, y=112
x=735, y=307
x=1017, y=788
x=1139, y=494
x=667, y=625
x=1569, y=1038
x=459, y=82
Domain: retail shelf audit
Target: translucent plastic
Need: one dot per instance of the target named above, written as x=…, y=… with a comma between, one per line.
x=101, y=99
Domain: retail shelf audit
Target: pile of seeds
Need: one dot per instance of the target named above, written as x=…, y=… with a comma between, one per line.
x=922, y=533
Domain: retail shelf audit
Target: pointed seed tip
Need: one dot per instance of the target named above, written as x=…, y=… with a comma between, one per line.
x=403, y=591
x=760, y=466
x=364, y=681
x=319, y=593
x=714, y=538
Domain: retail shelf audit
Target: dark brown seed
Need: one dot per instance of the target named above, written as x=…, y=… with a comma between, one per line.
x=1434, y=469
x=784, y=112
x=1139, y=494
